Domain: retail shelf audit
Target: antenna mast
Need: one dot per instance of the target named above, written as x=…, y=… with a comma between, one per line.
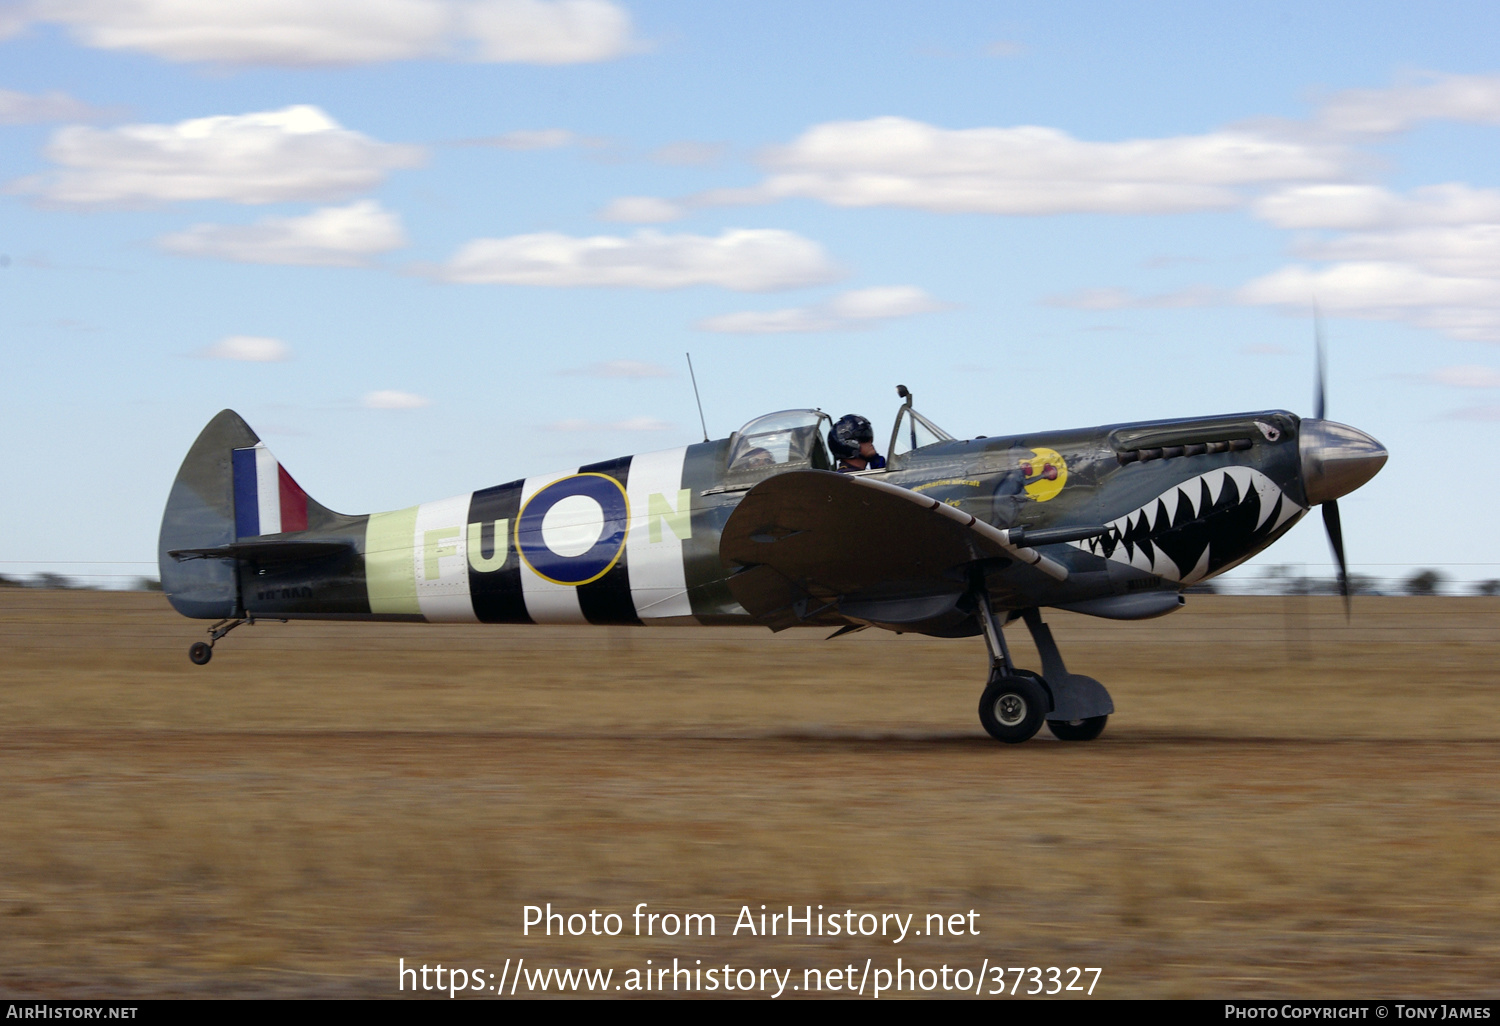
x=697, y=396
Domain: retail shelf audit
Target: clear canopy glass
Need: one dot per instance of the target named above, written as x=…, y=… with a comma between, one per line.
x=914, y=431
x=786, y=437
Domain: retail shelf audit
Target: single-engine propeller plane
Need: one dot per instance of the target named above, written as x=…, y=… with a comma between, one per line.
x=951, y=538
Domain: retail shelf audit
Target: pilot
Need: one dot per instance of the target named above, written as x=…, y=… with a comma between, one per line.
x=853, y=443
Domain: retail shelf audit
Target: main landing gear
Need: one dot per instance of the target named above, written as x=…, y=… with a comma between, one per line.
x=1016, y=702
x=201, y=652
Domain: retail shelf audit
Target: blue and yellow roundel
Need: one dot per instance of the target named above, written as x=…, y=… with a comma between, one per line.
x=563, y=548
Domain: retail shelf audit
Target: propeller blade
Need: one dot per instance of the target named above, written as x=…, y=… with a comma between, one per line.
x=1320, y=397
x=1336, y=541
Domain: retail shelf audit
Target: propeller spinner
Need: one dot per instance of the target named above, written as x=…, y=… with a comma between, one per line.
x=1336, y=459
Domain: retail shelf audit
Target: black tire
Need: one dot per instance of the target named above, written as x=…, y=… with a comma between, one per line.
x=1078, y=730
x=200, y=652
x=1012, y=709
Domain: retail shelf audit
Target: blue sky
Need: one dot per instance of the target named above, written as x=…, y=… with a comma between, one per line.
x=426, y=246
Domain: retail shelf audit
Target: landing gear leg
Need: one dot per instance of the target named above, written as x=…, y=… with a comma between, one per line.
x=1015, y=701
x=1081, y=705
x=201, y=652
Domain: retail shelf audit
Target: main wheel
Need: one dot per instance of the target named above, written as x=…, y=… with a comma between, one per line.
x=200, y=652
x=1078, y=730
x=1012, y=708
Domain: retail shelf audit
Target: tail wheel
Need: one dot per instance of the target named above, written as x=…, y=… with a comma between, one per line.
x=1013, y=708
x=1078, y=730
x=200, y=652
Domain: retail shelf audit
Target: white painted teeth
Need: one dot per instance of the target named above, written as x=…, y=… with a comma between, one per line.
x=1140, y=560
x=1289, y=509
x=1168, y=501
x=1270, y=501
x=1191, y=492
x=1201, y=570
x=1215, y=481
x=1244, y=480
x=1139, y=524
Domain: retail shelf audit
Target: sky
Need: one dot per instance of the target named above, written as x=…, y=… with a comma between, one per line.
x=428, y=246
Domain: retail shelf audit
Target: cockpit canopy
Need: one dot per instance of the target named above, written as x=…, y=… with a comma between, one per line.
x=795, y=439
x=913, y=432
x=786, y=439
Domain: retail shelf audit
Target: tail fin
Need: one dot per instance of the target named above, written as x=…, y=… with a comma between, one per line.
x=228, y=490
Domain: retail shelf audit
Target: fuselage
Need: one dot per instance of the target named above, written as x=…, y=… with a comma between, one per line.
x=635, y=540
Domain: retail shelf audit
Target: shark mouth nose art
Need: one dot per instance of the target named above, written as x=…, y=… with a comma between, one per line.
x=1197, y=527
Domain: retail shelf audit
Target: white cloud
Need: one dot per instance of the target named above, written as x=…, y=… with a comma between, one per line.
x=630, y=424
x=641, y=210
x=553, y=32
x=13, y=21
x=883, y=302
x=333, y=236
x=893, y=161
x=1467, y=376
x=1471, y=250
x=1471, y=98
x=859, y=308
x=1370, y=206
x=635, y=369
x=535, y=139
x=298, y=153
x=774, y=322
x=1466, y=308
x=342, y=32
x=25, y=109
x=746, y=260
x=1353, y=286
x=249, y=348
x=1429, y=258
x=389, y=399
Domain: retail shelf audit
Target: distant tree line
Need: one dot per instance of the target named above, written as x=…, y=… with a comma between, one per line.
x=62, y=582
x=1281, y=580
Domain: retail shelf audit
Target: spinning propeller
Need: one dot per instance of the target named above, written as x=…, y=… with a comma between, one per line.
x=1336, y=459
x=1331, y=521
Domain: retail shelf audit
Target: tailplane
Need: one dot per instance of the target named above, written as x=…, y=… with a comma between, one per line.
x=231, y=498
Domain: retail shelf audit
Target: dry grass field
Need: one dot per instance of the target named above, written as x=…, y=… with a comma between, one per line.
x=1284, y=806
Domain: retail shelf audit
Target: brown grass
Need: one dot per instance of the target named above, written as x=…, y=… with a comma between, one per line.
x=1284, y=805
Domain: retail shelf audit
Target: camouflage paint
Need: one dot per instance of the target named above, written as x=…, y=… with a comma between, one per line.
x=656, y=558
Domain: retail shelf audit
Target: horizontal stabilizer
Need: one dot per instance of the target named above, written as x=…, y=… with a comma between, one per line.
x=279, y=551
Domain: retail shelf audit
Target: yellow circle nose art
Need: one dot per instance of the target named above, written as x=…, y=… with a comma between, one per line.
x=1046, y=473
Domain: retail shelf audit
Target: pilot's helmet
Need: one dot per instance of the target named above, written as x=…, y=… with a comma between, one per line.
x=845, y=436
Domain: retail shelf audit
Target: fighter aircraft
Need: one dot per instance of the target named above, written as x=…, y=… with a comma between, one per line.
x=952, y=538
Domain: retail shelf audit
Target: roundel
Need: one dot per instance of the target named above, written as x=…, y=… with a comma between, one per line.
x=572, y=531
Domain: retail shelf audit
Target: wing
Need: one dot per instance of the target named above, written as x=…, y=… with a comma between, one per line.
x=811, y=546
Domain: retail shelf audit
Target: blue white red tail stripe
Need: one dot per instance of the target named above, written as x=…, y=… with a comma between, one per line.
x=266, y=499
